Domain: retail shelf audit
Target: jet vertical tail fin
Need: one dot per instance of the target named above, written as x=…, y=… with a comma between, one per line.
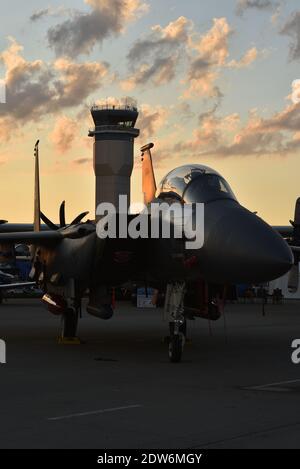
x=293, y=279
x=149, y=183
x=37, y=196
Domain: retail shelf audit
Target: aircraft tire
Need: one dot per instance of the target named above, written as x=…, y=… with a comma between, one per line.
x=175, y=348
x=70, y=323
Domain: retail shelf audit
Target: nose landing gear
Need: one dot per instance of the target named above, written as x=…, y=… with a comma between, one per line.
x=177, y=340
x=174, y=308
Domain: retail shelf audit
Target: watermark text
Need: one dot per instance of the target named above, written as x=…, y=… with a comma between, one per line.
x=156, y=221
x=2, y=352
x=2, y=92
x=296, y=353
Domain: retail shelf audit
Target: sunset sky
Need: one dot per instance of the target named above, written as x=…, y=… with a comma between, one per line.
x=213, y=81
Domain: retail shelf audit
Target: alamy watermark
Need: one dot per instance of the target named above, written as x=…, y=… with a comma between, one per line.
x=296, y=353
x=2, y=352
x=156, y=221
x=2, y=92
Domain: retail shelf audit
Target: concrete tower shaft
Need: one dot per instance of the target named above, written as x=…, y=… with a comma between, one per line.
x=114, y=136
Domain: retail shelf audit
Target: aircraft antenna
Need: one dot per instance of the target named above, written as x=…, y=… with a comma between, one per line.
x=37, y=196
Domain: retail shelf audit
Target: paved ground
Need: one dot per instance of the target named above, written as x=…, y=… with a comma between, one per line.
x=119, y=390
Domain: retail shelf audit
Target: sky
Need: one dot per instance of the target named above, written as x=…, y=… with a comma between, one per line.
x=215, y=81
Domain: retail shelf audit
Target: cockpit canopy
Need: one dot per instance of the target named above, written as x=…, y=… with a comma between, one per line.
x=195, y=183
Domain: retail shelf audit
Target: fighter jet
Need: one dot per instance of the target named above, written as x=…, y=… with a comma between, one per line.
x=70, y=260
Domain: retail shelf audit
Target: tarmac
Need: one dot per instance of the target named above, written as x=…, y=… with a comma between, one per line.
x=236, y=386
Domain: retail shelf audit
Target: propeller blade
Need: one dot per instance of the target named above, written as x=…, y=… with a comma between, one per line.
x=48, y=222
x=62, y=215
x=293, y=280
x=79, y=218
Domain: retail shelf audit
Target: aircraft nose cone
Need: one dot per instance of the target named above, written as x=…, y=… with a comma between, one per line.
x=249, y=250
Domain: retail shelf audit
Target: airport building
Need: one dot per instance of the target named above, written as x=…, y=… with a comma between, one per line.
x=114, y=136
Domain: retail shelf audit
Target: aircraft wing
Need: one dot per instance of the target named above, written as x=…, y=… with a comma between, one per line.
x=39, y=238
x=20, y=227
x=284, y=231
x=16, y=285
x=42, y=238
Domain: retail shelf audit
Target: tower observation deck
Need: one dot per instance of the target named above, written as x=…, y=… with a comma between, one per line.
x=114, y=135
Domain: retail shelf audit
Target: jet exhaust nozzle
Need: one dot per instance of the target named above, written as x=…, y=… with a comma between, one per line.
x=55, y=304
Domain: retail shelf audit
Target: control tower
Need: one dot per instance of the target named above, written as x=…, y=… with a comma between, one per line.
x=114, y=136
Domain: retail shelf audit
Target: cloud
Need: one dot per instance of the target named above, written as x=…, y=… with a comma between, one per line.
x=213, y=46
x=210, y=131
x=249, y=57
x=151, y=119
x=201, y=80
x=223, y=136
x=212, y=49
x=27, y=84
x=211, y=55
x=82, y=161
x=64, y=133
x=184, y=111
x=155, y=58
x=7, y=127
x=292, y=29
x=277, y=135
x=295, y=95
x=36, y=89
x=244, y=5
x=50, y=11
x=39, y=14
x=160, y=72
x=276, y=15
x=82, y=31
x=164, y=40
x=77, y=81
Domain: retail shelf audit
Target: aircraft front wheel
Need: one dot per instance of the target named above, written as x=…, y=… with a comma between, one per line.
x=176, y=348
